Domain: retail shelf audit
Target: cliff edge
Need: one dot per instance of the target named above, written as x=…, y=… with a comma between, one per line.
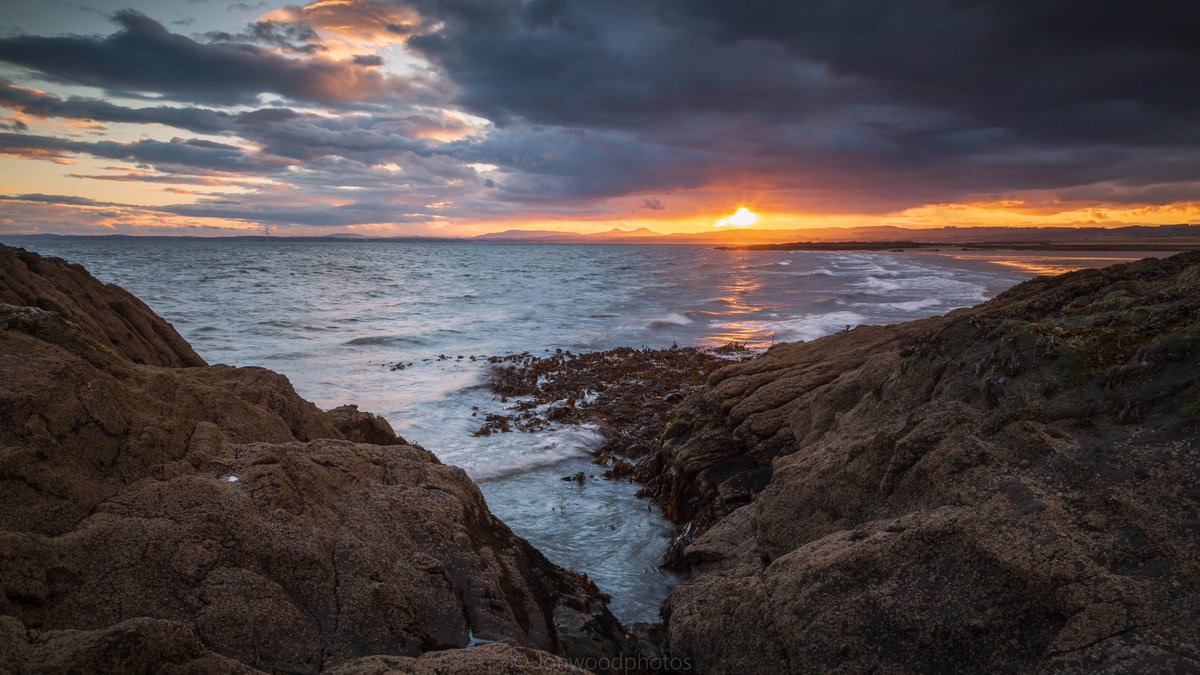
x=1010, y=487
x=160, y=514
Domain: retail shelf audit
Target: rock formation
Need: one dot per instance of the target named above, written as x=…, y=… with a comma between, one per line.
x=157, y=513
x=1012, y=487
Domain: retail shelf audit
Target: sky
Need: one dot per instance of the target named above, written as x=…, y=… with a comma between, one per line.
x=458, y=117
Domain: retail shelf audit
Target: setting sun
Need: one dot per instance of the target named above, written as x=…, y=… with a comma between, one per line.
x=743, y=217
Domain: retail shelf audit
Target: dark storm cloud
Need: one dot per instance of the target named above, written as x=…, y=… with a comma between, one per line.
x=145, y=57
x=549, y=164
x=869, y=99
x=291, y=36
x=630, y=63
x=177, y=155
x=1033, y=65
x=280, y=131
x=38, y=103
x=611, y=64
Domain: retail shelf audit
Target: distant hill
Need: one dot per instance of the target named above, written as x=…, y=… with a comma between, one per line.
x=1142, y=234
x=1134, y=237
x=555, y=236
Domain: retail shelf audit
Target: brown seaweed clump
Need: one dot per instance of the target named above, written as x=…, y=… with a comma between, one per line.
x=628, y=392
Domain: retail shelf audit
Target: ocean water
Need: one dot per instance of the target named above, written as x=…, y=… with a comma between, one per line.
x=335, y=317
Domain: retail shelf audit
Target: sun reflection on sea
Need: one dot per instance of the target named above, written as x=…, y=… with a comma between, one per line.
x=740, y=294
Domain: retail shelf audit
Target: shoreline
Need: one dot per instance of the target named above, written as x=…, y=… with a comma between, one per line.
x=1000, y=487
x=1155, y=246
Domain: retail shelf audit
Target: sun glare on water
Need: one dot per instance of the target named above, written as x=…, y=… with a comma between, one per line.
x=743, y=217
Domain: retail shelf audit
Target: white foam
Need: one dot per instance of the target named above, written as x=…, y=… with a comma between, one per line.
x=880, y=285
x=806, y=327
x=436, y=383
x=914, y=305
x=516, y=453
x=672, y=319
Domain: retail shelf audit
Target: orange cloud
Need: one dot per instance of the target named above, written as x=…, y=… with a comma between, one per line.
x=352, y=24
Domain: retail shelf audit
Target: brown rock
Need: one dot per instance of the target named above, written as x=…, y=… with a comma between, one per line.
x=106, y=312
x=363, y=427
x=929, y=507
x=135, y=646
x=493, y=658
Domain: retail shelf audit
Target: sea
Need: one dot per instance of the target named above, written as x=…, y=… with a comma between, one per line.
x=337, y=317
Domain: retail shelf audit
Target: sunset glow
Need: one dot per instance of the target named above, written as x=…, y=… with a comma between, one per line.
x=743, y=217
x=405, y=118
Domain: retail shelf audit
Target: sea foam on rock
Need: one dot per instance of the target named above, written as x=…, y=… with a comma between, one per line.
x=157, y=513
x=1011, y=487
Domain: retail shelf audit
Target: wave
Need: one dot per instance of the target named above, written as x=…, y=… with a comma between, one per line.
x=433, y=384
x=371, y=340
x=670, y=320
x=881, y=285
x=913, y=305
x=551, y=447
x=815, y=272
x=813, y=326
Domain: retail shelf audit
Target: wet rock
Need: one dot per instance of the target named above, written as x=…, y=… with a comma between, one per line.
x=627, y=392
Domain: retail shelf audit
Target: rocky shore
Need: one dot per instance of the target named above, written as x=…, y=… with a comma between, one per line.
x=1010, y=487
x=158, y=514
x=628, y=393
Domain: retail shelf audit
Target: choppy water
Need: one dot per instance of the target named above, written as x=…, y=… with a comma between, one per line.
x=334, y=317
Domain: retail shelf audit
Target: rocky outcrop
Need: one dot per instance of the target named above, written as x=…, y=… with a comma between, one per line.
x=107, y=313
x=361, y=426
x=158, y=514
x=1010, y=487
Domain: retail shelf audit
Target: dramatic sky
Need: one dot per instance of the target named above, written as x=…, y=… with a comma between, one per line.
x=454, y=117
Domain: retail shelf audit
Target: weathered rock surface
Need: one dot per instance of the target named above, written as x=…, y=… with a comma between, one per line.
x=1010, y=487
x=159, y=514
x=363, y=427
x=156, y=646
x=108, y=313
x=494, y=658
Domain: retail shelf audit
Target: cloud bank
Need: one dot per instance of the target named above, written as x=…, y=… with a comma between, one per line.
x=432, y=113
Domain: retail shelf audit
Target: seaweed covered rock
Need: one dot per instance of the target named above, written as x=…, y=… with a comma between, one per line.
x=1009, y=487
x=207, y=518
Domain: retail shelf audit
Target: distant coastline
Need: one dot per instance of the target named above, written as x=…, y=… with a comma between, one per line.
x=1167, y=244
x=1180, y=237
